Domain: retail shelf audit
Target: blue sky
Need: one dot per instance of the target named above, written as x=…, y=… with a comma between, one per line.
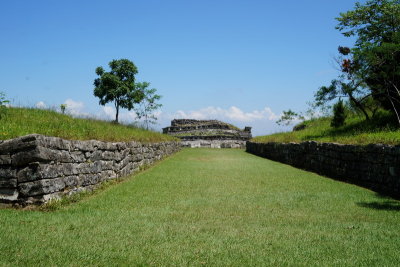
x=243, y=62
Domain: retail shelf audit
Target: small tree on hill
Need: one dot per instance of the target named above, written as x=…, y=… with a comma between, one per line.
x=148, y=104
x=339, y=114
x=63, y=107
x=288, y=117
x=3, y=103
x=118, y=85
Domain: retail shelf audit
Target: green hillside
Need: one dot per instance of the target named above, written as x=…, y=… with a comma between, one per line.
x=356, y=131
x=23, y=121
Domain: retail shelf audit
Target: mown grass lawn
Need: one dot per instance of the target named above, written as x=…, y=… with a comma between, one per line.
x=215, y=208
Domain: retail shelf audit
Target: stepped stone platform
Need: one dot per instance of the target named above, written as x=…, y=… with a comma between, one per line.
x=208, y=133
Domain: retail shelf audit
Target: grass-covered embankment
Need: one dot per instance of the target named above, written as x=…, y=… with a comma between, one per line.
x=23, y=121
x=211, y=207
x=356, y=131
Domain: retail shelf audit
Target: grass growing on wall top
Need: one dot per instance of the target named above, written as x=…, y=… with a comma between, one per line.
x=211, y=207
x=355, y=131
x=23, y=121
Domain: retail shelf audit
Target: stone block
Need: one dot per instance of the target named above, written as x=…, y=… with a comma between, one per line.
x=5, y=160
x=99, y=144
x=77, y=156
x=41, y=187
x=107, y=175
x=54, y=143
x=8, y=194
x=84, y=146
x=394, y=171
x=95, y=155
x=18, y=144
x=8, y=173
x=37, y=171
x=109, y=165
x=40, y=154
x=108, y=155
x=89, y=179
x=27, y=174
x=8, y=182
x=113, y=146
x=71, y=182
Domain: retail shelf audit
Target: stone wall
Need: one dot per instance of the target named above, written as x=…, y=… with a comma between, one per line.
x=36, y=168
x=208, y=133
x=214, y=143
x=376, y=167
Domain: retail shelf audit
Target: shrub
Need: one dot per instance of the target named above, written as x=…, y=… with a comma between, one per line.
x=3, y=102
x=339, y=114
x=63, y=107
x=299, y=127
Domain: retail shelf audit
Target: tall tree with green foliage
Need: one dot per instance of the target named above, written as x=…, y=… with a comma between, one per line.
x=349, y=84
x=376, y=25
x=148, y=104
x=118, y=85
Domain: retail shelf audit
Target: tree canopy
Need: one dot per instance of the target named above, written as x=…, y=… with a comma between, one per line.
x=372, y=23
x=370, y=71
x=118, y=85
x=376, y=55
x=148, y=104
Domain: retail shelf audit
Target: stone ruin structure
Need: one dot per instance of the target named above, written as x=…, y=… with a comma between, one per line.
x=208, y=133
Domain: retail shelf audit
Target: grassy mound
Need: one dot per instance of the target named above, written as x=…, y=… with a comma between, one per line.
x=355, y=131
x=23, y=121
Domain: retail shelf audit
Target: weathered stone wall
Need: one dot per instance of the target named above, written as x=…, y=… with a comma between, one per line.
x=214, y=143
x=180, y=122
x=36, y=168
x=376, y=167
x=189, y=130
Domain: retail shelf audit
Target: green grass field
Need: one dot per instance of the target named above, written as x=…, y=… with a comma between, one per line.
x=22, y=121
x=215, y=208
x=381, y=129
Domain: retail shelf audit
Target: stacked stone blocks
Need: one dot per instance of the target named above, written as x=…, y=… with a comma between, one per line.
x=208, y=133
x=374, y=166
x=36, y=168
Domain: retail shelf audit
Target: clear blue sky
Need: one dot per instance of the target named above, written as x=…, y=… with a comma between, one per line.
x=238, y=61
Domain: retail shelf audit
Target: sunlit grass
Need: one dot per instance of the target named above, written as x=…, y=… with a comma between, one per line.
x=355, y=131
x=215, y=208
x=23, y=121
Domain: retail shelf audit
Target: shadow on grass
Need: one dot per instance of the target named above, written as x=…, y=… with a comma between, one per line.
x=385, y=205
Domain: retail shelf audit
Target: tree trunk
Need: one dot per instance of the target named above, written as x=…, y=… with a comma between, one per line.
x=117, y=111
x=393, y=105
x=359, y=105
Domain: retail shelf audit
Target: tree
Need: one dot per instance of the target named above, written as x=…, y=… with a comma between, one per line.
x=63, y=107
x=383, y=74
x=376, y=24
x=118, y=85
x=372, y=23
x=349, y=84
x=3, y=104
x=148, y=104
x=288, y=117
x=339, y=114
